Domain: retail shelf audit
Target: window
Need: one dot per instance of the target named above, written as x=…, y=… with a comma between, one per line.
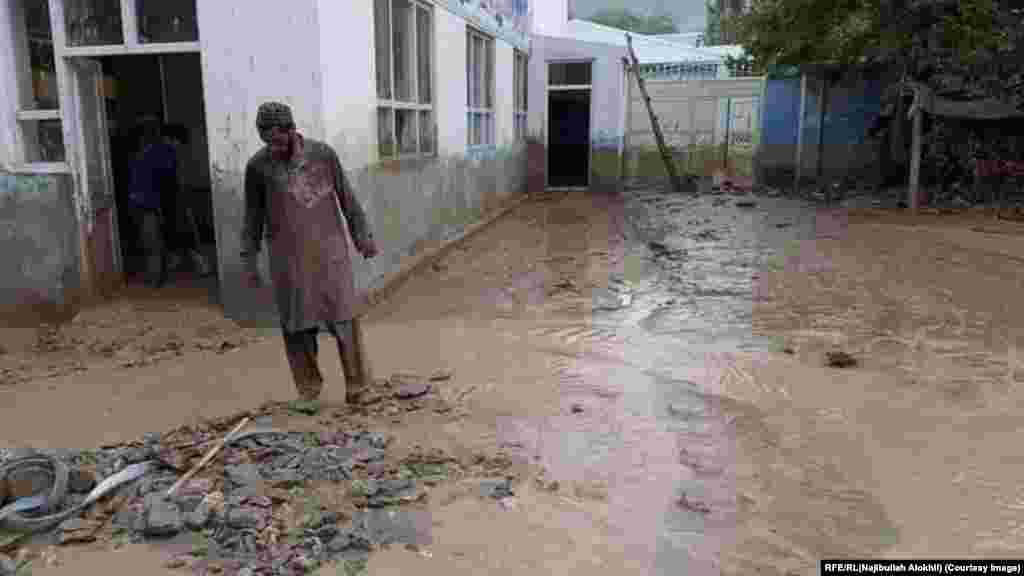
x=93, y=22
x=480, y=88
x=519, y=83
x=38, y=107
x=163, y=21
x=569, y=74
x=404, y=42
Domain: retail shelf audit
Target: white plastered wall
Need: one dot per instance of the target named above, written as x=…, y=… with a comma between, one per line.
x=349, y=80
x=451, y=82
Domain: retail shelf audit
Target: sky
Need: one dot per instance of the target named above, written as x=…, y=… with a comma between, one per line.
x=689, y=14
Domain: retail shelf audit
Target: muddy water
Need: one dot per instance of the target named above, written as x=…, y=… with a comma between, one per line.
x=642, y=420
x=632, y=347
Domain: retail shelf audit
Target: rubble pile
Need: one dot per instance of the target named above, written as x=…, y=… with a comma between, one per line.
x=249, y=511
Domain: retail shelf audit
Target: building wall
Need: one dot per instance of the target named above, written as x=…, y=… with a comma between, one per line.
x=550, y=17
x=39, y=255
x=411, y=204
x=242, y=68
x=607, y=104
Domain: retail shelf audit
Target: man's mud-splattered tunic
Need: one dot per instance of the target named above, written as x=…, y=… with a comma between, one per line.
x=295, y=205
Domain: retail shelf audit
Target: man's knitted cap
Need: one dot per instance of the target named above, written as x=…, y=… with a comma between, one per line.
x=273, y=115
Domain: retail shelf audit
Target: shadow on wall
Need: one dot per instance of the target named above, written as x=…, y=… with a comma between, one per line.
x=39, y=255
x=412, y=205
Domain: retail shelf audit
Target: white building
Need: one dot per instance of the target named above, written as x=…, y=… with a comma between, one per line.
x=579, y=90
x=424, y=100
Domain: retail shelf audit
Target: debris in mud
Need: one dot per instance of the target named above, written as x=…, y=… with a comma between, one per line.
x=706, y=236
x=746, y=203
x=441, y=376
x=789, y=350
x=783, y=225
x=249, y=510
x=577, y=409
x=497, y=489
x=693, y=506
x=839, y=359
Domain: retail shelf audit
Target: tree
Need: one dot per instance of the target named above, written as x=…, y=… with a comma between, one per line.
x=712, y=24
x=979, y=40
x=630, y=21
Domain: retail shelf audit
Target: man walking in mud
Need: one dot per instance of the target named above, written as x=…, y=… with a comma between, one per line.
x=297, y=195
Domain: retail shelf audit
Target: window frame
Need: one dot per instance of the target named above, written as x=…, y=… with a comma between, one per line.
x=486, y=113
x=414, y=106
x=25, y=113
x=521, y=100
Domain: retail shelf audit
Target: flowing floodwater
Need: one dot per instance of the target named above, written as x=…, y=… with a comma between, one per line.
x=640, y=416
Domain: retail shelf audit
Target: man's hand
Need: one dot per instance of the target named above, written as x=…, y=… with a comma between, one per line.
x=369, y=249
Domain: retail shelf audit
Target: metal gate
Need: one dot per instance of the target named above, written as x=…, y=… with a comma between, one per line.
x=712, y=126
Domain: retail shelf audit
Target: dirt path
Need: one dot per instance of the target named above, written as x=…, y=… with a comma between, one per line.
x=669, y=451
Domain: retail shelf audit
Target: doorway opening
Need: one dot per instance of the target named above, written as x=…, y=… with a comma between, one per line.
x=148, y=99
x=569, y=139
x=568, y=124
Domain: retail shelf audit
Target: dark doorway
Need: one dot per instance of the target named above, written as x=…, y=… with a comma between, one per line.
x=166, y=89
x=569, y=138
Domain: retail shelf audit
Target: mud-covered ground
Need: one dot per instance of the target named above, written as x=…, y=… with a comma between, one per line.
x=650, y=369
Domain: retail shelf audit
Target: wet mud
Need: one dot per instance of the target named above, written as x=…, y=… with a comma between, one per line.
x=653, y=371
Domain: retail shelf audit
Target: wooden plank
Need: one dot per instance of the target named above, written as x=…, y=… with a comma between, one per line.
x=670, y=167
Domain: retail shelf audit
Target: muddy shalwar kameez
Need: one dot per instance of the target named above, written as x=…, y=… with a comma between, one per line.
x=304, y=207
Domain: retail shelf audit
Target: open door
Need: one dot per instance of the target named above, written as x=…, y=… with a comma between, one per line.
x=101, y=250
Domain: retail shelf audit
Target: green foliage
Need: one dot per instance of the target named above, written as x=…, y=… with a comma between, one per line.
x=918, y=37
x=625, y=19
x=712, y=24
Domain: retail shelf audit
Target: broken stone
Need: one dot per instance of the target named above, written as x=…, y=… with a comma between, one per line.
x=245, y=517
x=412, y=390
x=81, y=481
x=577, y=409
x=175, y=563
x=441, y=376
x=496, y=488
x=839, y=359
x=7, y=566
x=77, y=531
x=244, y=474
x=162, y=517
x=198, y=518
x=745, y=204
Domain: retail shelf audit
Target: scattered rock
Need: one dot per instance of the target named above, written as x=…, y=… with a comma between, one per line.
x=244, y=474
x=199, y=517
x=441, y=376
x=693, y=506
x=412, y=390
x=497, y=488
x=7, y=566
x=162, y=517
x=77, y=531
x=175, y=563
x=81, y=481
x=839, y=359
x=246, y=517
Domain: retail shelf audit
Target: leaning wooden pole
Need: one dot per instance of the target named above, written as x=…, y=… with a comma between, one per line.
x=666, y=155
